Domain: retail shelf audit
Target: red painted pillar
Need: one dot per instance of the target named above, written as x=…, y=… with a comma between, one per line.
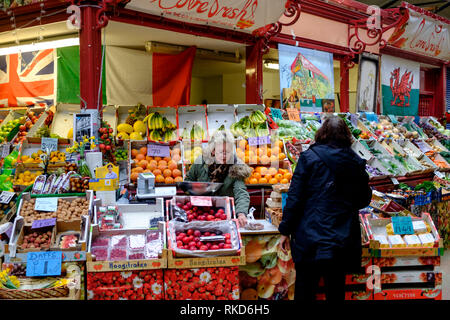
x=440, y=101
x=90, y=57
x=344, y=99
x=254, y=74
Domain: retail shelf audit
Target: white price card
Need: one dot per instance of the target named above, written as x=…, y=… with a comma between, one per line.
x=439, y=174
x=6, y=196
x=201, y=201
x=395, y=181
x=158, y=150
x=46, y=204
x=5, y=150
x=49, y=143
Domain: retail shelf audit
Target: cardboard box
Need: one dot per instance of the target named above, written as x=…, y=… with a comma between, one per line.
x=30, y=146
x=190, y=115
x=170, y=113
x=224, y=203
x=63, y=120
x=27, y=230
x=220, y=114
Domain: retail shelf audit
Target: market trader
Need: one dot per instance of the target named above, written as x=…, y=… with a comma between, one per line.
x=328, y=188
x=219, y=164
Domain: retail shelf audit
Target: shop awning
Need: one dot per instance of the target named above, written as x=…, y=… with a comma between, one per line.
x=239, y=15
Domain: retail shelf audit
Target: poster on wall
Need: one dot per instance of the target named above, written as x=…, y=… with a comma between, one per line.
x=306, y=75
x=400, y=81
x=366, y=98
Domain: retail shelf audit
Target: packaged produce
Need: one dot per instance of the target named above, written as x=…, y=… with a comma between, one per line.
x=39, y=185
x=100, y=253
x=412, y=240
x=420, y=227
x=108, y=218
x=374, y=172
x=382, y=240
x=68, y=240
x=427, y=239
x=396, y=241
x=136, y=242
x=100, y=242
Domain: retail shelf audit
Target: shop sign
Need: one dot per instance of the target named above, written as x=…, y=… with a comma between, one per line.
x=243, y=15
x=423, y=33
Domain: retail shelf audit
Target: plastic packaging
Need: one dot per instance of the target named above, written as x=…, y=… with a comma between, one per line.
x=419, y=227
x=396, y=241
x=39, y=184
x=427, y=239
x=179, y=214
x=382, y=240
x=412, y=240
x=100, y=253
x=136, y=242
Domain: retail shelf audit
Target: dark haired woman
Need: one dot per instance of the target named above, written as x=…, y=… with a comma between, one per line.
x=328, y=188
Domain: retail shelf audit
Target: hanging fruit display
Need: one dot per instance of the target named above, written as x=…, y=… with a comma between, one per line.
x=106, y=143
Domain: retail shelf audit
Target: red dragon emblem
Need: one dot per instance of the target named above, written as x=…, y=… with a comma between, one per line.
x=401, y=88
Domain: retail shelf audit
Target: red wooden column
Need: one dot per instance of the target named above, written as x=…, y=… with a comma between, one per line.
x=344, y=98
x=254, y=73
x=90, y=56
x=440, y=101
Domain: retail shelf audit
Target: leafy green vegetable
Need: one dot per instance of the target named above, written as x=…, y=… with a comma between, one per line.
x=426, y=186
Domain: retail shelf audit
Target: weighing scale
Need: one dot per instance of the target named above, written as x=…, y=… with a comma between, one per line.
x=199, y=188
x=146, y=188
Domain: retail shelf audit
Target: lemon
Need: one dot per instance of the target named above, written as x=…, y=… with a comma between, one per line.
x=139, y=126
x=123, y=136
x=125, y=127
x=136, y=136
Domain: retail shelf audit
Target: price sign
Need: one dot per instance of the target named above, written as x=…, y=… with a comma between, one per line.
x=423, y=146
x=253, y=141
x=293, y=114
x=5, y=149
x=402, y=225
x=46, y=204
x=158, y=150
x=276, y=113
x=437, y=173
x=43, y=223
x=393, y=118
x=394, y=181
x=6, y=196
x=49, y=143
x=46, y=263
x=201, y=201
x=354, y=120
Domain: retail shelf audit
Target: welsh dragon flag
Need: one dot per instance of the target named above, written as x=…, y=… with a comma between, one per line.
x=131, y=76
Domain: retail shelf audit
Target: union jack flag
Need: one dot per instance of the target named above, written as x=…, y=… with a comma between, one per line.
x=27, y=78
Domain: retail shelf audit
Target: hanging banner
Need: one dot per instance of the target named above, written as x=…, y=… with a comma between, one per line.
x=400, y=80
x=27, y=78
x=366, y=98
x=423, y=33
x=306, y=78
x=243, y=15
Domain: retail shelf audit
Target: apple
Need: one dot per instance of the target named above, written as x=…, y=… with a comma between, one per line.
x=197, y=233
x=228, y=241
x=190, y=232
x=227, y=236
x=190, y=217
x=192, y=244
x=221, y=245
x=207, y=234
x=223, y=216
x=227, y=246
x=215, y=247
x=204, y=248
x=210, y=218
x=179, y=244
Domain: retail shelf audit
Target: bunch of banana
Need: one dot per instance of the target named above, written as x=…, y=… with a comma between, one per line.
x=154, y=121
x=257, y=117
x=160, y=129
x=196, y=133
x=167, y=125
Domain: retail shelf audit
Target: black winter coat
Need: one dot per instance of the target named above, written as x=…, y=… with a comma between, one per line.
x=321, y=211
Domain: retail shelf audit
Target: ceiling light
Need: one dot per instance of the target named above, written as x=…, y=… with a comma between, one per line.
x=272, y=65
x=40, y=46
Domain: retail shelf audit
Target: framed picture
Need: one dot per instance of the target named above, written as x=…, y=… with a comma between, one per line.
x=368, y=75
x=82, y=126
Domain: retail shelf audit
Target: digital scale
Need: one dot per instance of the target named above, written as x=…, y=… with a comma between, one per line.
x=146, y=188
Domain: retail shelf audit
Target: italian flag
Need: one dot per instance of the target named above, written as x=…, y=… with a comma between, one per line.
x=130, y=76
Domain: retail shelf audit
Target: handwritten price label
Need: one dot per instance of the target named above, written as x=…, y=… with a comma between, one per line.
x=43, y=223
x=47, y=263
x=402, y=225
x=46, y=204
x=201, y=201
x=255, y=141
x=6, y=196
x=293, y=114
x=49, y=143
x=5, y=149
x=354, y=120
x=158, y=150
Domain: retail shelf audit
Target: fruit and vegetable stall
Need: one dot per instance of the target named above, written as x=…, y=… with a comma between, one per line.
x=105, y=242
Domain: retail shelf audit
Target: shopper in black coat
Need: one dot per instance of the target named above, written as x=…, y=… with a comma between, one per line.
x=328, y=188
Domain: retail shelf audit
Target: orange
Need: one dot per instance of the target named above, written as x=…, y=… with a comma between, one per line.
x=264, y=171
x=178, y=179
x=147, y=170
x=143, y=164
x=281, y=156
x=278, y=176
x=143, y=151
x=246, y=159
x=268, y=177
x=288, y=176
x=273, y=181
x=242, y=144
x=283, y=171
x=272, y=171
x=158, y=158
x=151, y=167
x=275, y=150
x=176, y=158
x=172, y=165
x=139, y=169
x=256, y=175
x=284, y=181
x=162, y=167
x=153, y=162
x=258, y=169
x=157, y=172
x=280, y=143
x=162, y=163
x=159, y=179
x=263, y=181
x=167, y=159
x=169, y=180
x=167, y=173
x=247, y=147
x=134, y=153
x=148, y=158
x=253, y=181
x=176, y=173
x=140, y=157
x=134, y=176
x=265, y=159
x=260, y=152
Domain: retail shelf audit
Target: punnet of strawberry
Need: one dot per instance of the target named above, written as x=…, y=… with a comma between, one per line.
x=200, y=238
x=184, y=210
